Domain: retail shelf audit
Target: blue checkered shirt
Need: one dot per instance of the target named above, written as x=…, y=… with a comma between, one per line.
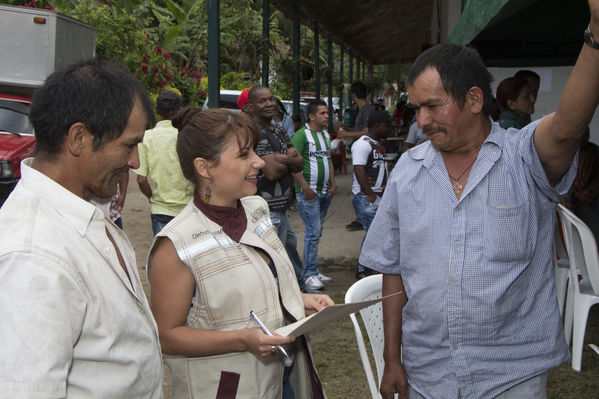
x=482, y=313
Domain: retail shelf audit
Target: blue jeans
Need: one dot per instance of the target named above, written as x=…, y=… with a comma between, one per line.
x=159, y=221
x=365, y=212
x=289, y=240
x=312, y=213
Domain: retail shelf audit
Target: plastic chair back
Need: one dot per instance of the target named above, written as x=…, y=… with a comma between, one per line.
x=582, y=251
x=561, y=264
x=372, y=316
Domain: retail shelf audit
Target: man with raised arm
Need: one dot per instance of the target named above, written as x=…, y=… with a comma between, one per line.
x=464, y=230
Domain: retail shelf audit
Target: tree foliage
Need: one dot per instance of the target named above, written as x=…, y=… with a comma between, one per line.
x=164, y=43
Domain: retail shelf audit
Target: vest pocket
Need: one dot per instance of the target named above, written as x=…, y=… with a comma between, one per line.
x=229, y=290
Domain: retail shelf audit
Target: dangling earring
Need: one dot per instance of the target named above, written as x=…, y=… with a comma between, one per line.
x=207, y=194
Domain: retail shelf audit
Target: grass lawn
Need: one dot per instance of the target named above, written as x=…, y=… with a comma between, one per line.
x=339, y=366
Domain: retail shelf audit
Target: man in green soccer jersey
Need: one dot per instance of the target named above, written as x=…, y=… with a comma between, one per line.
x=314, y=186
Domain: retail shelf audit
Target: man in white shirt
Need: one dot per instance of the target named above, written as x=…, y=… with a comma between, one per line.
x=370, y=173
x=75, y=320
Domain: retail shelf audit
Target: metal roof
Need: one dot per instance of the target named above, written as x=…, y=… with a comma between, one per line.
x=377, y=31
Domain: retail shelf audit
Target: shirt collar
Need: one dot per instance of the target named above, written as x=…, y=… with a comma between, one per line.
x=312, y=130
x=72, y=208
x=492, y=145
x=164, y=123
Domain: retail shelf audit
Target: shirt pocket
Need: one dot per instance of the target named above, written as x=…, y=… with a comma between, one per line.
x=506, y=222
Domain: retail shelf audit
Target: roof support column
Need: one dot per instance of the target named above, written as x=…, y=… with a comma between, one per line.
x=330, y=79
x=265, y=34
x=398, y=74
x=316, y=60
x=358, y=76
x=341, y=78
x=213, y=53
x=295, y=43
x=351, y=68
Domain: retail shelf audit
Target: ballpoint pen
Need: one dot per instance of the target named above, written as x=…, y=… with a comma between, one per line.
x=288, y=361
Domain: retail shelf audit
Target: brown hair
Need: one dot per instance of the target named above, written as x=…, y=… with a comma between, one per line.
x=205, y=134
x=509, y=89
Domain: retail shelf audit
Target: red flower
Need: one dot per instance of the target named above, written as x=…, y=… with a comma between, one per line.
x=144, y=68
x=147, y=35
x=158, y=49
x=162, y=83
x=183, y=72
x=145, y=58
x=154, y=69
x=49, y=7
x=167, y=54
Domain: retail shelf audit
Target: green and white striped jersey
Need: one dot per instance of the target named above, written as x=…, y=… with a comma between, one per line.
x=315, y=147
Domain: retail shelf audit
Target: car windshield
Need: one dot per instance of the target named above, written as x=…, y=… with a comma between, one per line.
x=13, y=117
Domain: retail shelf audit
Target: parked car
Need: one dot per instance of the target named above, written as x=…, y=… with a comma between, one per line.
x=17, y=141
x=228, y=99
x=34, y=43
x=303, y=109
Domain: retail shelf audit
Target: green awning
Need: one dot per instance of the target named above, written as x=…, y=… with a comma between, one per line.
x=523, y=32
x=476, y=16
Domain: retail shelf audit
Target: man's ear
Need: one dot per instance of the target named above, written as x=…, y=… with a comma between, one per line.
x=202, y=167
x=475, y=99
x=78, y=139
x=511, y=104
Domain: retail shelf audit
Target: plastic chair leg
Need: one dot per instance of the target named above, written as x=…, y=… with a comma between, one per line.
x=569, y=313
x=580, y=323
x=561, y=282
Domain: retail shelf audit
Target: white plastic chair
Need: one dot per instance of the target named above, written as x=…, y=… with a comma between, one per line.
x=561, y=266
x=583, y=287
x=368, y=288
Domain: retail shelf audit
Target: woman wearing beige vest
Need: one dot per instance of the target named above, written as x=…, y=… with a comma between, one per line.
x=219, y=259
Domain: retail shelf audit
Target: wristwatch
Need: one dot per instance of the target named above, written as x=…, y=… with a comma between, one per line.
x=590, y=39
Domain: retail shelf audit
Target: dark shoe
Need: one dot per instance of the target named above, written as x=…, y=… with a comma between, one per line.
x=308, y=290
x=355, y=225
x=360, y=274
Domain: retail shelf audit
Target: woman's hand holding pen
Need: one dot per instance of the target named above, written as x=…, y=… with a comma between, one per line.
x=262, y=345
x=315, y=302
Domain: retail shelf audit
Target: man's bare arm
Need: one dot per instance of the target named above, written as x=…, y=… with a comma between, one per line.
x=558, y=135
x=144, y=186
x=394, y=378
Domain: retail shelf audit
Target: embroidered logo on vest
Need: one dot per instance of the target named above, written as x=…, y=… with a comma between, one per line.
x=258, y=214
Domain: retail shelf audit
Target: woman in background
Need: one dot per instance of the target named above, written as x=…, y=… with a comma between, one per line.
x=219, y=259
x=516, y=101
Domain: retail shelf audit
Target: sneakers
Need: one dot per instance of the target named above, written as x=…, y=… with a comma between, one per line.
x=323, y=278
x=314, y=283
x=355, y=225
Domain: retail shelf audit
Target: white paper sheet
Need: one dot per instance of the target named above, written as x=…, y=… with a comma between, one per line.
x=327, y=315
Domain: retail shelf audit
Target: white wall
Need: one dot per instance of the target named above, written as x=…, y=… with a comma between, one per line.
x=553, y=80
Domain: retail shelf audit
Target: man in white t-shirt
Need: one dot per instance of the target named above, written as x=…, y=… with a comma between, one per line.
x=370, y=173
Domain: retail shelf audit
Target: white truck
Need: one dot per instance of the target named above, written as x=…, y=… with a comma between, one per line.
x=33, y=43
